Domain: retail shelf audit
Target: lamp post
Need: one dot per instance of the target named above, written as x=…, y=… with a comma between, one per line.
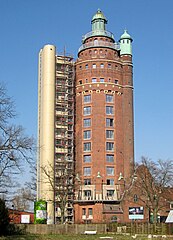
x=79, y=184
x=127, y=187
x=99, y=177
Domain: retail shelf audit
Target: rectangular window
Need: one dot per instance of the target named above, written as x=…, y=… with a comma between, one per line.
x=86, y=66
x=80, y=81
x=87, y=122
x=87, y=147
x=109, y=98
x=94, y=80
x=102, y=79
x=110, y=193
x=87, y=134
x=110, y=181
x=109, y=146
x=83, y=211
x=87, y=171
x=110, y=171
x=101, y=65
x=90, y=211
x=110, y=134
x=109, y=110
x=87, y=111
x=87, y=158
x=116, y=81
x=109, y=65
x=87, y=181
x=87, y=98
x=109, y=158
x=94, y=65
x=109, y=122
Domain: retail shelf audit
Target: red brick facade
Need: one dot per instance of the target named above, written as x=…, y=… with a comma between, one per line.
x=104, y=137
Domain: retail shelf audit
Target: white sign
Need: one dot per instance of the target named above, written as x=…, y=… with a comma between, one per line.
x=136, y=213
x=25, y=218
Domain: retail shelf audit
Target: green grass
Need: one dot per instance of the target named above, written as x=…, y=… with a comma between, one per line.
x=68, y=237
x=74, y=237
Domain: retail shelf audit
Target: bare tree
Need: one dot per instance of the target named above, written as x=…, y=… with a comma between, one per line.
x=32, y=184
x=153, y=184
x=62, y=186
x=63, y=189
x=23, y=199
x=15, y=147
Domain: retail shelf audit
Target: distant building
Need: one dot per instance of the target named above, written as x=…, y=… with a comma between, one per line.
x=17, y=216
x=85, y=127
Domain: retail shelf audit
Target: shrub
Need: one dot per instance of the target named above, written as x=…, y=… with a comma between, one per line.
x=4, y=218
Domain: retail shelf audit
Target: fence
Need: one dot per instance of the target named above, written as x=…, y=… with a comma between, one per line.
x=132, y=228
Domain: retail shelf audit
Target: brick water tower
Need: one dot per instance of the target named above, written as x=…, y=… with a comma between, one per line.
x=104, y=127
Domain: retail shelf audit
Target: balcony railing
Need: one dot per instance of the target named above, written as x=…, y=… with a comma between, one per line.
x=98, y=33
x=97, y=195
x=99, y=43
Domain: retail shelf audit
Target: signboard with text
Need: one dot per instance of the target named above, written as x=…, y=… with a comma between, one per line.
x=136, y=213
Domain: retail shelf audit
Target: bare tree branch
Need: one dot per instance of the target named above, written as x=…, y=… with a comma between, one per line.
x=154, y=179
x=16, y=148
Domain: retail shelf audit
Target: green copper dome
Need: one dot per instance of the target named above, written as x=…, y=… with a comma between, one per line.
x=125, y=44
x=98, y=24
x=125, y=35
x=99, y=15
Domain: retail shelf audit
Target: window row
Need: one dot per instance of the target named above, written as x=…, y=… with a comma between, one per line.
x=109, y=122
x=109, y=134
x=87, y=110
x=87, y=146
x=94, y=66
x=109, y=171
x=110, y=181
x=102, y=80
x=88, y=193
x=87, y=98
x=88, y=159
x=101, y=65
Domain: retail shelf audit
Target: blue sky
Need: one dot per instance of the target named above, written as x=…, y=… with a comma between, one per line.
x=27, y=25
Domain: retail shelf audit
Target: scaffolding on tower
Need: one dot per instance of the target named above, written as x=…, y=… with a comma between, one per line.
x=64, y=139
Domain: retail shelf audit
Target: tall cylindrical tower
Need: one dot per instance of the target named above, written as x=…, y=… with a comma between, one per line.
x=104, y=122
x=46, y=128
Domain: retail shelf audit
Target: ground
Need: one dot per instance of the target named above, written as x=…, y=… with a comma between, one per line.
x=81, y=237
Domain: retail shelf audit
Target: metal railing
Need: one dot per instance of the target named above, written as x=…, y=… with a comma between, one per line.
x=98, y=33
x=99, y=43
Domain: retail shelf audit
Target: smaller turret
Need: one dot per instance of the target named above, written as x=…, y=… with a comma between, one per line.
x=125, y=44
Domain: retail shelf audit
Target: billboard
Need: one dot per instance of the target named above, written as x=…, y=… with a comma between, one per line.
x=136, y=213
x=40, y=212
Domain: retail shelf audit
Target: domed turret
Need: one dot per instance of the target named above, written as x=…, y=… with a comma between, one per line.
x=98, y=22
x=125, y=43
